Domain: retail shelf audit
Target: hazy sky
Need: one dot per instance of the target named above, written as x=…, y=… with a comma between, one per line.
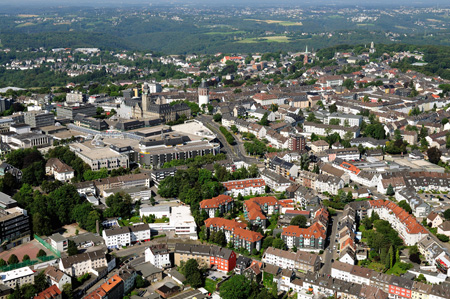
x=227, y=2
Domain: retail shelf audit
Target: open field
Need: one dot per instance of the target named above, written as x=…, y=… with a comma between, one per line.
x=276, y=39
x=27, y=16
x=25, y=24
x=31, y=248
x=225, y=32
x=282, y=23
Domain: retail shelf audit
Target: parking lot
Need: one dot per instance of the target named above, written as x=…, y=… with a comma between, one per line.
x=215, y=275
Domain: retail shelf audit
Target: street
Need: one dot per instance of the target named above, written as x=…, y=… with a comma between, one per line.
x=237, y=151
x=329, y=253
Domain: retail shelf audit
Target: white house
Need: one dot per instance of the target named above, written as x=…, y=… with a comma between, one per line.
x=117, y=237
x=61, y=171
x=158, y=255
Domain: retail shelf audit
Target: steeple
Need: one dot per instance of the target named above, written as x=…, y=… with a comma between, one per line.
x=145, y=92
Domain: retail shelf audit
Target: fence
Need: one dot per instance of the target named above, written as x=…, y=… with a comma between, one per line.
x=48, y=246
x=27, y=263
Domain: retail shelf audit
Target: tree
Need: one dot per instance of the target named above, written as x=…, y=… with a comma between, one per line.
x=405, y=206
x=119, y=205
x=12, y=260
x=41, y=253
x=40, y=281
x=234, y=129
x=299, y=221
x=67, y=291
x=237, y=287
x=266, y=189
x=141, y=282
x=264, y=121
x=311, y=117
x=349, y=84
x=26, y=257
x=217, y=117
x=391, y=257
x=220, y=238
x=3, y=263
x=333, y=108
x=434, y=155
x=195, y=280
x=390, y=190
x=71, y=248
x=268, y=241
x=441, y=237
x=447, y=214
x=41, y=224
x=415, y=258
x=278, y=243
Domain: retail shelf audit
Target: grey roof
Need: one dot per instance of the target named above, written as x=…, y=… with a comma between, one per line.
x=147, y=269
x=58, y=237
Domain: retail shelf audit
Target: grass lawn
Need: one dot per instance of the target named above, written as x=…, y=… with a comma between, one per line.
x=282, y=23
x=396, y=270
x=210, y=285
x=376, y=267
x=225, y=32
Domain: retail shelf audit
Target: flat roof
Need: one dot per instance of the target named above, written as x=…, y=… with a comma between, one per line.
x=17, y=273
x=158, y=208
x=195, y=130
x=6, y=199
x=92, y=152
x=195, y=145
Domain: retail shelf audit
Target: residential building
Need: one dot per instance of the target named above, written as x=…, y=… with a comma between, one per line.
x=206, y=255
x=275, y=181
x=300, y=260
x=309, y=239
x=158, y=255
x=236, y=233
x=435, y=219
x=60, y=170
x=117, y=237
x=322, y=130
x=79, y=264
x=52, y=292
x=57, y=277
x=128, y=275
x=282, y=167
x=319, y=146
x=58, y=242
x=218, y=205
x=244, y=187
x=182, y=222
x=17, y=277
x=257, y=209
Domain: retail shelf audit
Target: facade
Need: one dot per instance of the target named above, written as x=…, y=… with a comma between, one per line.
x=58, y=242
x=39, y=119
x=281, y=167
x=235, y=233
x=210, y=256
x=124, y=236
x=220, y=204
x=203, y=94
x=57, y=277
x=71, y=111
x=311, y=238
x=322, y=129
x=29, y=140
x=60, y=170
x=79, y=264
x=244, y=187
x=297, y=143
x=100, y=157
x=300, y=260
x=275, y=181
x=158, y=255
x=14, y=226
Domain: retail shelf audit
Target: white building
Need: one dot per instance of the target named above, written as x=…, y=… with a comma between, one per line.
x=79, y=264
x=352, y=120
x=158, y=211
x=244, y=187
x=61, y=171
x=158, y=255
x=140, y=233
x=117, y=237
x=182, y=221
x=17, y=277
x=56, y=276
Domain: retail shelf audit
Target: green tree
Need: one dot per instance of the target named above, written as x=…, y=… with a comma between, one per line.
x=40, y=281
x=405, y=206
x=234, y=129
x=119, y=205
x=67, y=291
x=434, y=155
x=41, y=253
x=299, y=221
x=268, y=241
x=41, y=224
x=391, y=257
x=220, y=238
x=71, y=248
x=278, y=243
x=141, y=282
x=264, y=121
x=447, y=214
x=25, y=258
x=349, y=84
x=217, y=117
x=237, y=287
x=332, y=108
x=3, y=263
x=12, y=260
x=441, y=237
x=390, y=190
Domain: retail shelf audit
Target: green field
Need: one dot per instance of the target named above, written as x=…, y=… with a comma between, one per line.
x=210, y=285
x=365, y=25
x=282, y=23
x=276, y=39
x=225, y=32
x=25, y=24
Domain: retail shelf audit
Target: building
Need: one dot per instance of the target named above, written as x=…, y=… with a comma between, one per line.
x=60, y=170
x=117, y=237
x=52, y=292
x=300, y=260
x=218, y=205
x=311, y=238
x=244, y=187
x=71, y=111
x=158, y=255
x=29, y=140
x=8, y=168
x=257, y=209
x=58, y=242
x=297, y=143
x=182, y=222
x=210, y=256
x=128, y=276
x=114, y=287
x=39, y=119
x=14, y=227
x=17, y=277
x=100, y=157
x=323, y=129
x=79, y=264
x=275, y=181
x=158, y=211
x=236, y=233
x=319, y=146
x=282, y=167
x=57, y=277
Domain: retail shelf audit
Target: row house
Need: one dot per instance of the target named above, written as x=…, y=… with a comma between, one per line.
x=346, y=154
x=309, y=239
x=209, y=256
x=158, y=255
x=117, y=237
x=409, y=229
x=349, y=119
x=428, y=181
x=300, y=260
x=82, y=263
x=236, y=233
x=244, y=187
x=328, y=183
x=220, y=204
x=275, y=181
x=257, y=209
x=257, y=130
x=419, y=207
x=324, y=130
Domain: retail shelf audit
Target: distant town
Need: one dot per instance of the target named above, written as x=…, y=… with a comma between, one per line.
x=310, y=174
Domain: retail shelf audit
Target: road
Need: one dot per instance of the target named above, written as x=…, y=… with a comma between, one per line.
x=236, y=152
x=329, y=253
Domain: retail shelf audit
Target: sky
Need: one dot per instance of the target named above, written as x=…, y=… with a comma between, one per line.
x=109, y=3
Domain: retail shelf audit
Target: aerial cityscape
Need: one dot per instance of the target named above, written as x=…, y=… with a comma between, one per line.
x=292, y=150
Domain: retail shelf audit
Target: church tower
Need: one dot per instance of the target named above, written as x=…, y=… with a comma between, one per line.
x=203, y=94
x=306, y=58
x=372, y=48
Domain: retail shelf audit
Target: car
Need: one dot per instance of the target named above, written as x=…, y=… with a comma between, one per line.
x=426, y=195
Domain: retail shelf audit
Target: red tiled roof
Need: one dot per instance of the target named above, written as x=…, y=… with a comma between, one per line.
x=215, y=202
x=315, y=230
x=253, y=206
x=350, y=167
x=224, y=223
x=48, y=293
x=242, y=184
x=111, y=283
